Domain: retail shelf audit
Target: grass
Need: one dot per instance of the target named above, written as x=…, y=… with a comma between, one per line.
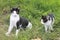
x=32, y=10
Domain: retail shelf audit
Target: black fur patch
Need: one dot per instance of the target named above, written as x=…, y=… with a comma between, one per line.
x=23, y=22
x=44, y=19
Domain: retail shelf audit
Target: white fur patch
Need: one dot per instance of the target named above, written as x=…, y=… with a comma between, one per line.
x=29, y=25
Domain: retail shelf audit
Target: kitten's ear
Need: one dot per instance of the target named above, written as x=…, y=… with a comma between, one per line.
x=11, y=10
x=19, y=9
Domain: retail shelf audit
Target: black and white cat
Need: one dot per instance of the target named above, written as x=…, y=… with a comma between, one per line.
x=48, y=22
x=17, y=21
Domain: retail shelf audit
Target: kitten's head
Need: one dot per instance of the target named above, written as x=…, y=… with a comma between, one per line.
x=44, y=18
x=15, y=10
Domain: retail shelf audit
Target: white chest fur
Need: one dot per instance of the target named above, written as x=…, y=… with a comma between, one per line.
x=13, y=19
